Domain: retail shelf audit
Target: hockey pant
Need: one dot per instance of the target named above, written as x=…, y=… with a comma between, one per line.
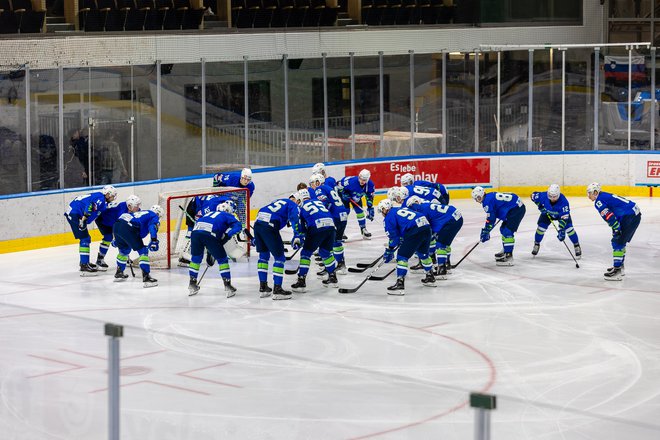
x=629, y=224
x=415, y=241
x=201, y=240
x=510, y=226
x=321, y=239
x=128, y=238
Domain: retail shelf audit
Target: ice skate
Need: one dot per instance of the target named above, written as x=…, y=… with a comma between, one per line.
x=440, y=272
x=101, y=264
x=331, y=281
x=505, y=260
x=300, y=285
x=578, y=250
x=341, y=268
x=397, y=289
x=87, y=270
x=148, y=281
x=120, y=276
x=279, y=293
x=193, y=288
x=264, y=290
x=613, y=274
x=229, y=289
x=536, y=248
x=365, y=234
x=429, y=280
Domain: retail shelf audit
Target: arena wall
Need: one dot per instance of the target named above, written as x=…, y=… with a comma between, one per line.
x=36, y=220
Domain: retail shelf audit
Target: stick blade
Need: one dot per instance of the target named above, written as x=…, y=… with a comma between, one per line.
x=357, y=269
x=342, y=290
x=291, y=271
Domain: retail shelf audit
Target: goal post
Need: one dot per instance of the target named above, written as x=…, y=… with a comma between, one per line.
x=173, y=229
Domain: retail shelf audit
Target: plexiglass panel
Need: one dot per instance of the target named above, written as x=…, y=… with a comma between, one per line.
x=579, y=116
x=181, y=119
x=514, y=101
x=225, y=107
x=428, y=104
x=366, y=99
x=44, y=129
x=13, y=155
x=460, y=103
x=546, y=131
x=396, y=84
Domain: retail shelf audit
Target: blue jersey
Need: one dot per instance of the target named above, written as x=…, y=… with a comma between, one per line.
x=556, y=210
x=435, y=185
x=207, y=204
x=438, y=215
x=398, y=221
x=330, y=181
x=112, y=213
x=331, y=201
x=219, y=223
x=231, y=179
x=351, y=189
x=497, y=205
x=612, y=207
x=279, y=212
x=427, y=193
x=147, y=222
x=90, y=205
x=314, y=216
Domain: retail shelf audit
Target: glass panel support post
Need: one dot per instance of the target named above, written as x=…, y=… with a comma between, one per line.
x=246, y=112
x=287, y=139
x=325, y=106
x=413, y=105
x=352, y=79
x=530, y=100
x=476, y=102
x=596, y=96
x=28, y=131
x=483, y=405
x=203, y=110
x=381, y=100
x=114, y=333
x=444, y=103
x=159, y=122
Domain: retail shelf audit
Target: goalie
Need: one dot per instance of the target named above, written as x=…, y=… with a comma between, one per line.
x=212, y=231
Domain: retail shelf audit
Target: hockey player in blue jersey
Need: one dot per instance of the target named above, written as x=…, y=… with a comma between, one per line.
x=319, y=229
x=211, y=232
x=83, y=210
x=235, y=179
x=268, y=241
x=106, y=220
x=411, y=233
x=351, y=190
x=333, y=203
x=415, y=188
x=623, y=216
x=319, y=168
x=506, y=207
x=129, y=231
x=445, y=222
x=554, y=206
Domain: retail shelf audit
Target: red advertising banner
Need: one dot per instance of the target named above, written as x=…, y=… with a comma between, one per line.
x=446, y=171
x=652, y=169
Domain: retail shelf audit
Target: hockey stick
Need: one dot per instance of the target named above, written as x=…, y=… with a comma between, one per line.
x=289, y=257
x=454, y=266
x=355, y=289
x=361, y=267
x=382, y=277
x=563, y=241
x=129, y=262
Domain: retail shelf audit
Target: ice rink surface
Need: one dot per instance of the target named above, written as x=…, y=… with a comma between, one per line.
x=569, y=355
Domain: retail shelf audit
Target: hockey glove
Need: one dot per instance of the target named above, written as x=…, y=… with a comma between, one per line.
x=485, y=235
x=210, y=260
x=297, y=241
x=388, y=255
x=561, y=235
x=153, y=246
x=370, y=213
x=82, y=223
x=616, y=233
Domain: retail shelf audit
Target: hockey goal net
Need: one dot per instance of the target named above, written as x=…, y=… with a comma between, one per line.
x=173, y=229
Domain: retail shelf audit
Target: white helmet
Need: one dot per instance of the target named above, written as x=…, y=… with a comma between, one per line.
x=593, y=187
x=225, y=207
x=397, y=193
x=413, y=200
x=318, y=168
x=553, y=191
x=303, y=194
x=158, y=210
x=316, y=177
x=384, y=206
x=109, y=191
x=478, y=192
x=364, y=175
x=133, y=201
x=247, y=173
x=407, y=179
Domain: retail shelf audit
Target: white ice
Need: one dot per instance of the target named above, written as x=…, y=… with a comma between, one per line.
x=569, y=355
